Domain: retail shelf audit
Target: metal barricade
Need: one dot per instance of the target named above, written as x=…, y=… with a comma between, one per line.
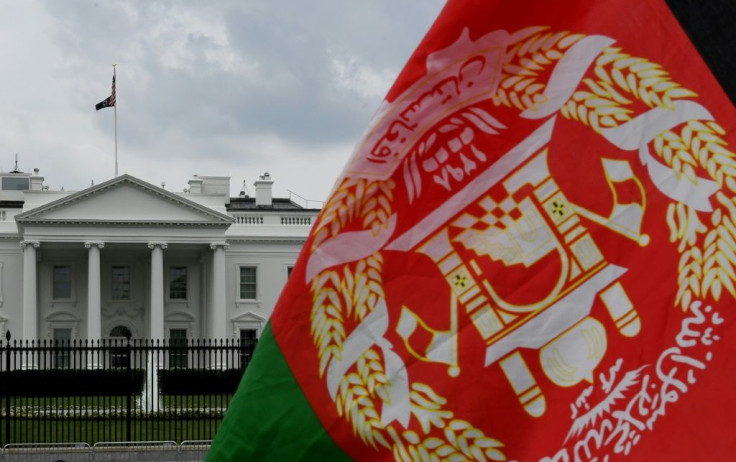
x=139, y=451
x=46, y=452
x=194, y=451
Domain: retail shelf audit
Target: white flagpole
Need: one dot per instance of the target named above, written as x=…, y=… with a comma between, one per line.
x=116, y=121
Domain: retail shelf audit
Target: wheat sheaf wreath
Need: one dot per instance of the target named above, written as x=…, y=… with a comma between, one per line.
x=622, y=86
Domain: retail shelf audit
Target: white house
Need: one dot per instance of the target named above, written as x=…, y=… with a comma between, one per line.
x=127, y=257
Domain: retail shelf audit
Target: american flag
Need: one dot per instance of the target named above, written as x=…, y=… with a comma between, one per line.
x=110, y=100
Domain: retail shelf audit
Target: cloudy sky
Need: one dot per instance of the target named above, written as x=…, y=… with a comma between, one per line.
x=219, y=87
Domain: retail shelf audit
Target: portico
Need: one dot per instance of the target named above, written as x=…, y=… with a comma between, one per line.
x=97, y=260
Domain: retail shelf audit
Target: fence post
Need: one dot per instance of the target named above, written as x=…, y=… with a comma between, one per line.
x=128, y=397
x=6, y=389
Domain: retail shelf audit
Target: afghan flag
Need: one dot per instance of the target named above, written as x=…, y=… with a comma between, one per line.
x=529, y=256
x=110, y=100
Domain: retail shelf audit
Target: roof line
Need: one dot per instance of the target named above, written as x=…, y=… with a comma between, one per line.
x=74, y=197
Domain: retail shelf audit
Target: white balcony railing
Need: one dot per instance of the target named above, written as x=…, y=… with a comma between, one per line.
x=256, y=219
x=248, y=219
x=292, y=220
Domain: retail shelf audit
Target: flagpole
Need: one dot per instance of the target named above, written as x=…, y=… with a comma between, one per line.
x=116, y=123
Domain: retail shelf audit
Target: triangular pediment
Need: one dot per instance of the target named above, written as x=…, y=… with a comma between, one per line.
x=248, y=317
x=124, y=199
x=180, y=316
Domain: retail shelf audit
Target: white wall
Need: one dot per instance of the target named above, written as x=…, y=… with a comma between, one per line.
x=11, y=307
x=271, y=260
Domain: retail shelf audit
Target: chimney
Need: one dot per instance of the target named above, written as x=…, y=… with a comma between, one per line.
x=195, y=185
x=36, y=180
x=263, y=190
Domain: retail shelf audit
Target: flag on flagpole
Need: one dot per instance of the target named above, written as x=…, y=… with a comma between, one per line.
x=110, y=100
x=529, y=256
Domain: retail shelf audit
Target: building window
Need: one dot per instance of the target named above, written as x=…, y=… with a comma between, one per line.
x=289, y=269
x=248, y=340
x=62, y=339
x=120, y=283
x=15, y=184
x=62, y=282
x=177, y=349
x=119, y=355
x=120, y=331
x=178, y=283
x=248, y=283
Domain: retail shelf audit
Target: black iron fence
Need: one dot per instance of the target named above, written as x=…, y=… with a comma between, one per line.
x=117, y=390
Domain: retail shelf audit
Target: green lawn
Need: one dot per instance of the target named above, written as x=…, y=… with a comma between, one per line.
x=93, y=419
x=64, y=430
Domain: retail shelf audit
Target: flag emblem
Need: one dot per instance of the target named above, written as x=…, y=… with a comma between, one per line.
x=523, y=258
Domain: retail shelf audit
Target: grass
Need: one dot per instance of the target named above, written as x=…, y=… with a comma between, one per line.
x=66, y=430
x=94, y=419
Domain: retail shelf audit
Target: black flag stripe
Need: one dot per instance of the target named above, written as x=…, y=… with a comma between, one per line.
x=709, y=25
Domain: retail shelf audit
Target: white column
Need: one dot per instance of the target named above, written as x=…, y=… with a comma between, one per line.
x=157, y=289
x=30, y=305
x=94, y=301
x=218, y=313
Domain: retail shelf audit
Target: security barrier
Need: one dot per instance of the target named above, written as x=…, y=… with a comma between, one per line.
x=139, y=451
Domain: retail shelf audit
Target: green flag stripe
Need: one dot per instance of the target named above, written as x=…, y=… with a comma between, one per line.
x=269, y=417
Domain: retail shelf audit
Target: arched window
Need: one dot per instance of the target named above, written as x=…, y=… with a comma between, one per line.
x=119, y=356
x=120, y=331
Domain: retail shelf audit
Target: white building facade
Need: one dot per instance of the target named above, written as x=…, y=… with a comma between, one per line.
x=127, y=258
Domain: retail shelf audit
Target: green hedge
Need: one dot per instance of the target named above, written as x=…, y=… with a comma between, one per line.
x=71, y=382
x=198, y=381
x=114, y=382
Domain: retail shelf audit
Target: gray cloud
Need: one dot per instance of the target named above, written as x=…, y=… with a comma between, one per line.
x=209, y=81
